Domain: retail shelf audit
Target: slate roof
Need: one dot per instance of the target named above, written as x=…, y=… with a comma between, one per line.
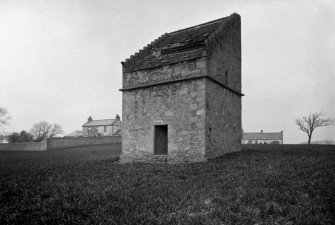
x=96, y=123
x=174, y=47
x=262, y=136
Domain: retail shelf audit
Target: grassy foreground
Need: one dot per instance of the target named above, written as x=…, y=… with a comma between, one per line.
x=87, y=186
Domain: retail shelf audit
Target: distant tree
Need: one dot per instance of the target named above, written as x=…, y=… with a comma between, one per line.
x=44, y=129
x=56, y=129
x=4, y=116
x=2, y=136
x=313, y=121
x=13, y=137
x=26, y=136
x=21, y=137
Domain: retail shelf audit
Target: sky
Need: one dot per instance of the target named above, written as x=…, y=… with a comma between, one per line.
x=60, y=59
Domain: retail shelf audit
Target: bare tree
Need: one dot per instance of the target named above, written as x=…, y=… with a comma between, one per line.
x=21, y=137
x=313, y=121
x=4, y=116
x=44, y=129
x=56, y=129
x=3, y=135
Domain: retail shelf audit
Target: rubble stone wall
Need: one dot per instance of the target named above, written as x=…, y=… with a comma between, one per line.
x=224, y=54
x=176, y=71
x=199, y=100
x=180, y=105
x=223, y=121
x=223, y=106
x=26, y=147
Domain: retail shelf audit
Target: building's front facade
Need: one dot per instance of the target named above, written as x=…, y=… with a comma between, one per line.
x=105, y=127
x=181, y=97
x=263, y=137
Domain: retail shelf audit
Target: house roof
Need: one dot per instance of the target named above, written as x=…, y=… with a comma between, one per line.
x=174, y=47
x=96, y=123
x=263, y=136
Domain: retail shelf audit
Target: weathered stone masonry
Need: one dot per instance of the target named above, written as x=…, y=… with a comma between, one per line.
x=190, y=81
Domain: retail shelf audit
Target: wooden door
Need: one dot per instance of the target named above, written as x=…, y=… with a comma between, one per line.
x=161, y=139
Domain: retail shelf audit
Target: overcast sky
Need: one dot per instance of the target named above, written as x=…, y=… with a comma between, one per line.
x=60, y=59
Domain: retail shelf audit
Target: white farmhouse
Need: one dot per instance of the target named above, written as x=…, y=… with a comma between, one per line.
x=263, y=137
x=104, y=127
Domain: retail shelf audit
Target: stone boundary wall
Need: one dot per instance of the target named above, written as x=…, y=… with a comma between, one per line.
x=61, y=143
x=280, y=147
x=27, y=147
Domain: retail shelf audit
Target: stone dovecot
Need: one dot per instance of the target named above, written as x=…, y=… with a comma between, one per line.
x=181, y=95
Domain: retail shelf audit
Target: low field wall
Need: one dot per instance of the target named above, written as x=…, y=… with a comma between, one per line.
x=61, y=143
x=285, y=147
x=29, y=146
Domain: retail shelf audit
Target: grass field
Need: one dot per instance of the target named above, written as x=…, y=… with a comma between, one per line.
x=87, y=186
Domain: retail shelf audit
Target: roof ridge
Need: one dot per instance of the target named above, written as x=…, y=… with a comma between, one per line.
x=199, y=25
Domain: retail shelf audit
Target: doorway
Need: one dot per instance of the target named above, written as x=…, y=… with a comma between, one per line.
x=161, y=140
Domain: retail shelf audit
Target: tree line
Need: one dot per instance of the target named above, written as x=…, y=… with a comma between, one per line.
x=43, y=129
x=38, y=131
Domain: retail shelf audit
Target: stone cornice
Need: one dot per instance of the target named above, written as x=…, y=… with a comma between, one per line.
x=181, y=80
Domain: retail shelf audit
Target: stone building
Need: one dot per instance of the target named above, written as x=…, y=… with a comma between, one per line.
x=181, y=95
x=104, y=127
x=263, y=137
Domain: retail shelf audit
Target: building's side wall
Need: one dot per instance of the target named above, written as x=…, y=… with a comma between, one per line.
x=224, y=54
x=101, y=130
x=85, y=131
x=223, y=107
x=180, y=105
x=177, y=71
x=114, y=128
x=94, y=131
x=223, y=120
x=110, y=130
